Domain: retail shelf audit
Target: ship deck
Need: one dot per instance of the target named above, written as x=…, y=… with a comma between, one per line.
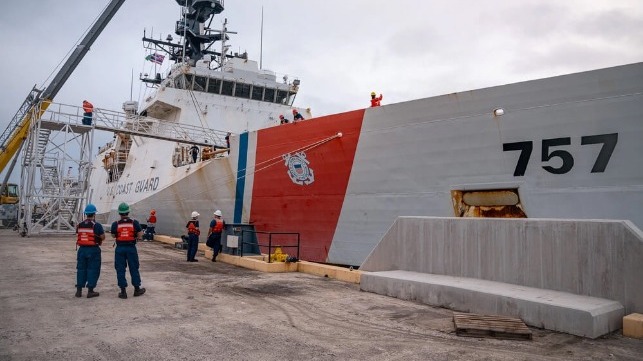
x=211, y=310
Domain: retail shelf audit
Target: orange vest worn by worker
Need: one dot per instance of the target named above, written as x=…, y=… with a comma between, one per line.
x=125, y=230
x=375, y=101
x=86, y=235
x=87, y=106
x=192, y=229
x=218, y=226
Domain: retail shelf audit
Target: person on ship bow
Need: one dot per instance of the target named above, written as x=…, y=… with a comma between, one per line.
x=126, y=231
x=283, y=120
x=90, y=237
x=193, y=236
x=296, y=116
x=376, y=101
x=214, y=234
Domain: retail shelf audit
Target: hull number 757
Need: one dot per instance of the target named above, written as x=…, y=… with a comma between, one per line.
x=608, y=140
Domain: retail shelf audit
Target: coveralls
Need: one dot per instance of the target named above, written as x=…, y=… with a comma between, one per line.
x=193, y=240
x=214, y=239
x=125, y=254
x=88, y=257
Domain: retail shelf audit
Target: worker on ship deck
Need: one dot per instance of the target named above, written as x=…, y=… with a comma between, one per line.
x=194, y=151
x=296, y=116
x=376, y=101
x=283, y=120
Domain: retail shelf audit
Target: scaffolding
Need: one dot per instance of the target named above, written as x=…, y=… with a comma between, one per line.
x=57, y=160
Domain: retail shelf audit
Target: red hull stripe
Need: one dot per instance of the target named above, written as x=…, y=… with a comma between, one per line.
x=280, y=204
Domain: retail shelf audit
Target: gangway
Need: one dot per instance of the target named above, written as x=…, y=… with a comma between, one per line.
x=51, y=197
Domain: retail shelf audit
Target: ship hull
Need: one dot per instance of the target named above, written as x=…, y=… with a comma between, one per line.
x=568, y=147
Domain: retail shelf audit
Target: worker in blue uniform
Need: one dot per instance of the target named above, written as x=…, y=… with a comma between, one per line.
x=193, y=236
x=126, y=231
x=90, y=237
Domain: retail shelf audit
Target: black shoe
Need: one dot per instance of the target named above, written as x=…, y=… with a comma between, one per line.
x=122, y=294
x=195, y=260
x=213, y=260
x=92, y=294
x=79, y=292
x=139, y=292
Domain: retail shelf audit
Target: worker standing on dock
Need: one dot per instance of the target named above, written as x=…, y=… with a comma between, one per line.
x=90, y=237
x=193, y=236
x=126, y=231
x=214, y=234
x=150, y=230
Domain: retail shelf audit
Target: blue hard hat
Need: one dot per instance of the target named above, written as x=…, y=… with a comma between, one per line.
x=90, y=209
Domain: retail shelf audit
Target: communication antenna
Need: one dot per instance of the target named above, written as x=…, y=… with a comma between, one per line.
x=261, y=43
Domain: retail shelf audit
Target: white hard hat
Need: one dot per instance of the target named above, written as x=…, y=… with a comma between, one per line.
x=195, y=214
x=217, y=213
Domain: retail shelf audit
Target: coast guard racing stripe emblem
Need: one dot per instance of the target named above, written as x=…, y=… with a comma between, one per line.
x=298, y=169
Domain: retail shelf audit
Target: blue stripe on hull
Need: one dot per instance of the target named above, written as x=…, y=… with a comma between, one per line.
x=241, y=177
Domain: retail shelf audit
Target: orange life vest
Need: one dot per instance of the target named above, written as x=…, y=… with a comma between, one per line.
x=375, y=102
x=218, y=226
x=152, y=219
x=86, y=235
x=192, y=228
x=88, y=107
x=125, y=231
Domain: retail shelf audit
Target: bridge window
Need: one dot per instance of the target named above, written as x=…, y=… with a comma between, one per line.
x=214, y=86
x=281, y=96
x=257, y=92
x=228, y=88
x=200, y=83
x=269, y=96
x=242, y=90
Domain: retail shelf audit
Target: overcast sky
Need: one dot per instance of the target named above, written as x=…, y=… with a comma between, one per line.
x=341, y=50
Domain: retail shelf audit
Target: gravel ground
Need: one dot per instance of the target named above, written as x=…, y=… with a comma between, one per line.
x=206, y=310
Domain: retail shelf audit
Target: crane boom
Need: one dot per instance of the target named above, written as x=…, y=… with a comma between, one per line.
x=16, y=132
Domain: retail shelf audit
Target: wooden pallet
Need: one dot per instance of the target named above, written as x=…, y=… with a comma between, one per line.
x=472, y=325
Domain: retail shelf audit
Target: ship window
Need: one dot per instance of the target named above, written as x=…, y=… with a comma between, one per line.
x=200, y=83
x=228, y=87
x=257, y=92
x=269, y=96
x=214, y=86
x=242, y=90
x=281, y=96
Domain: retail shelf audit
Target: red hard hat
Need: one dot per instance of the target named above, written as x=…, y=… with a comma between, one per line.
x=294, y=111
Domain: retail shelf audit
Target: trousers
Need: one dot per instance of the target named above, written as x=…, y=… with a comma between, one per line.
x=87, y=266
x=193, y=245
x=126, y=256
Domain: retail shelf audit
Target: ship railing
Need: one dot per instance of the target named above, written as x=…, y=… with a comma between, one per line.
x=272, y=244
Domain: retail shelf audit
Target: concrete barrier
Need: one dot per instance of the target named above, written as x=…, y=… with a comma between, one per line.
x=595, y=258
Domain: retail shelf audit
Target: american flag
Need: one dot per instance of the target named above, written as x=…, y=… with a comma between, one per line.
x=155, y=58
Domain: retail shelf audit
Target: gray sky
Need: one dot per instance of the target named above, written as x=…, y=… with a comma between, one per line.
x=341, y=50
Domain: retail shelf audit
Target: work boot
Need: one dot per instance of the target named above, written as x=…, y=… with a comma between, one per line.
x=79, y=292
x=214, y=259
x=122, y=294
x=92, y=294
x=139, y=291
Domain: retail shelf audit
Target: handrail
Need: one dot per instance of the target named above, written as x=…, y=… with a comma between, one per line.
x=269, y=245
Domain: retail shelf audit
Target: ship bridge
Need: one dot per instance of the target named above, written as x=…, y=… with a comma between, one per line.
x=57, y=158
